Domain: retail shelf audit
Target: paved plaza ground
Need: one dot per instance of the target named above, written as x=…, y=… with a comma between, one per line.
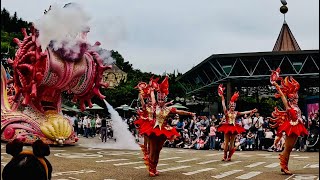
x=79, y=163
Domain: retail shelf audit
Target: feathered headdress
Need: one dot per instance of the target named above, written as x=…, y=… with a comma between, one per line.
x=163, y=89
x=290, y=88
x=144, y=89
x=154, y=83
x=234, y=98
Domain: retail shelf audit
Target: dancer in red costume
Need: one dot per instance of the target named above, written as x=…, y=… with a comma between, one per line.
x=229, y=127
x=153, y=120
x=290, y=120
x=145, y=115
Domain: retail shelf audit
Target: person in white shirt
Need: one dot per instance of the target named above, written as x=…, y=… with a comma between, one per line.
x=260, y=133
x=246, y=122
x=98, y=125
x=85, y=123
x=268, y=141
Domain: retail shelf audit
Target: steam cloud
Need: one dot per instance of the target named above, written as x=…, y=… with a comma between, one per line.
x=64, y=26
x=124, y=138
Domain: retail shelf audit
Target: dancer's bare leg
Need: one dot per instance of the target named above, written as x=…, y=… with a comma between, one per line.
x=284, y=156
x=160, y=142
x=146, y=144
x=232, y=139
x=153, y=155
x=232, y=149
x=226, y=145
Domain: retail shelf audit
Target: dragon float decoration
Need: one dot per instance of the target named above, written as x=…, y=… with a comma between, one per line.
x=39, y=78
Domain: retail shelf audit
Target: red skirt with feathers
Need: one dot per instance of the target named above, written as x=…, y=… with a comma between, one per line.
x=289, y=129
x=145, y=127
x=231, y=129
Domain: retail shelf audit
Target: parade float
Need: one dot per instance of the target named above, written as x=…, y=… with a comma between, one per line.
x=31, y=99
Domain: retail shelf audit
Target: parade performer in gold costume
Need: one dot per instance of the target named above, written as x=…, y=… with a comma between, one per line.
x=153, y=120
x=229, y=127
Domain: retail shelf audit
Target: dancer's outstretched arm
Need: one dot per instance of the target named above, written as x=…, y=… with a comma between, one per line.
x=283, y=97
x=220, y=93
x=248, y=112
x=153, y=98
x=182, y=112
x=141, y=100
x=223, y=103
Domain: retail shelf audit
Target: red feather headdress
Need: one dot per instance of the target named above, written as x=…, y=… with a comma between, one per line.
x=234, y=98
x=290, y=88
x=163, y=89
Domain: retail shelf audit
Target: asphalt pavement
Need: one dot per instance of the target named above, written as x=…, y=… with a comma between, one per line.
x=83, y=163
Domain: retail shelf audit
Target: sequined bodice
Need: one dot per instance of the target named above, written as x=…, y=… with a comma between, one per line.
x=161, y=115
x=150, y=112
x=297, y=118
x=231, y=117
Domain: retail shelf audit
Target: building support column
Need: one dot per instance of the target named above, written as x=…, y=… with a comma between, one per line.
x=228, y=92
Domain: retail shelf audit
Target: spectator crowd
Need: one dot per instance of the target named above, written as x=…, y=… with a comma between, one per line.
x=200, y=132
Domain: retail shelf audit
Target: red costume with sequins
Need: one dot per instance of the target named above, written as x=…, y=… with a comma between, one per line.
x=152, y=121
x=230, y=126
x=290, y=120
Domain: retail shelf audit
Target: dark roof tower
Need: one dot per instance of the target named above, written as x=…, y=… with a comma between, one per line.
x=285, y=41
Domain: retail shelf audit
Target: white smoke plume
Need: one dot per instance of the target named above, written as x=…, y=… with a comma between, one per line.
x=124, y=138
x=104, y=54
x=62, y=24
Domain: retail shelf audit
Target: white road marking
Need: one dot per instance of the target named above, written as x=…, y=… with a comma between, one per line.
x=255, y=164
x=230, y=163
x=124, y=153
x=173, y=168
x=264, y=154
x=111, y=160
x=311, y=166
x=207, y=162
x=198, y=171
x=169, y=158
x=294, y=155
x=290, y=176
x=301, y=157
x=249, y=175
x=272, y=165
x=73, y=178
x=225, y=174
x=187, y=160
x=245, y=155
x=303, y=176
x=78, y=155
x=144, y=166
x=72, y=172
x=128, y=163
x=215, y=154
x=272, y=157
x=306, y=166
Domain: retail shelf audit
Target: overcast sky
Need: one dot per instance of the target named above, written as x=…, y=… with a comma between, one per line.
x=166, y=35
